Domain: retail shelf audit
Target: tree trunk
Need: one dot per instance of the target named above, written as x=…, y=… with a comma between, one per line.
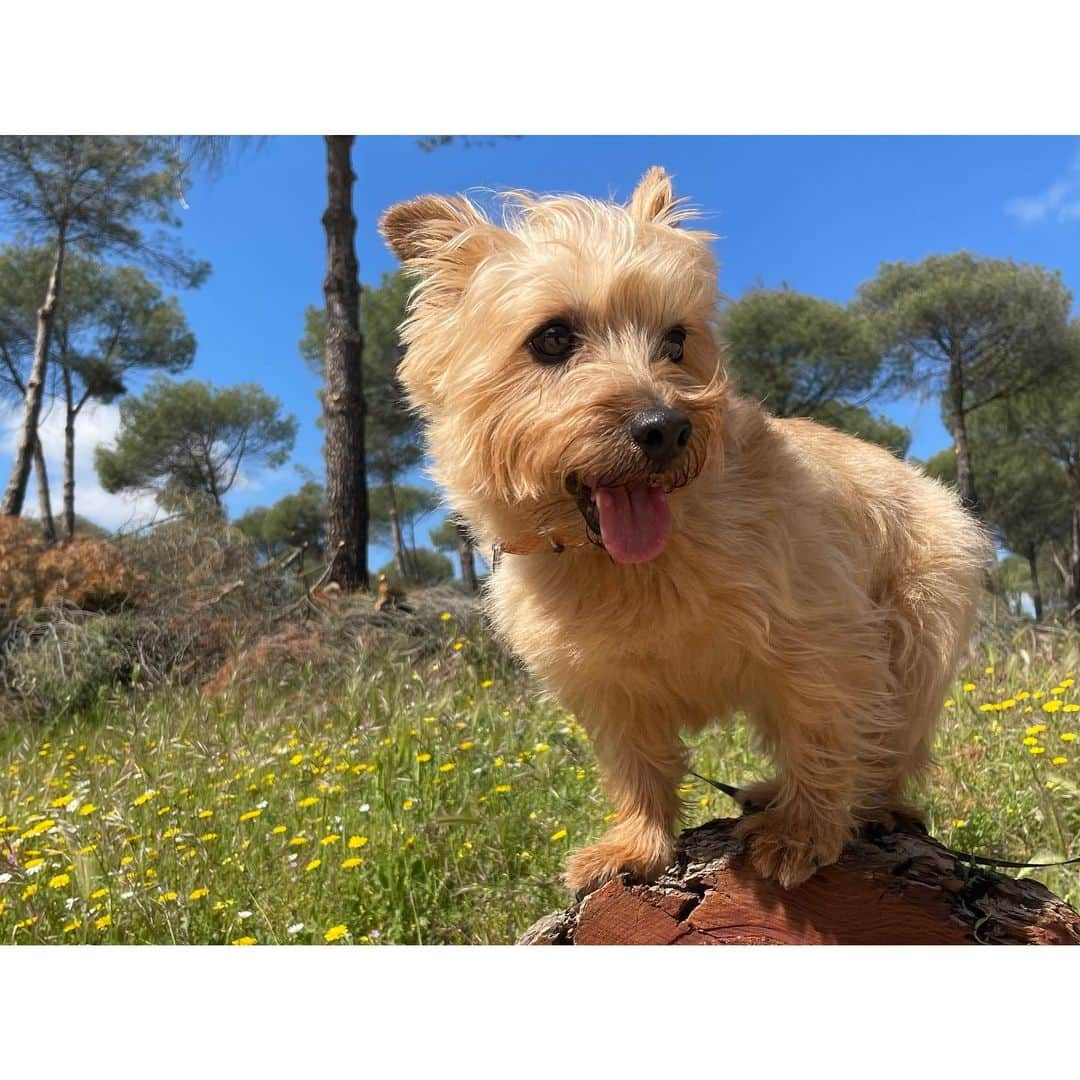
x=965, y=475
x=465, y=555
x=69, y=452
x=1036, y=587
x=48, y=525
x=343, y=402
x=35, y=392
x=900, y=888
x=396, y=539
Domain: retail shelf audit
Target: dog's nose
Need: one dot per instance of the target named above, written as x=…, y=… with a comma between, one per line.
x=661, y=433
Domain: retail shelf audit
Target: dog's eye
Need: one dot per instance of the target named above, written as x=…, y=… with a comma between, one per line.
x=671, y=348
x=553, y=343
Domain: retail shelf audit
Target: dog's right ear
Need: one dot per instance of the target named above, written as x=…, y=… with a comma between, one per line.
x=437, y=234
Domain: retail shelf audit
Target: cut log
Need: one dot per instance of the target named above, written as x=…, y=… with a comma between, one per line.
x=896, y=888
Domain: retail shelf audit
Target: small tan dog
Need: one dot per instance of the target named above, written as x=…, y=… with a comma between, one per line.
x=674, y=554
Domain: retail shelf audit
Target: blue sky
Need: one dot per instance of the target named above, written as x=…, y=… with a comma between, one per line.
x=817, y=213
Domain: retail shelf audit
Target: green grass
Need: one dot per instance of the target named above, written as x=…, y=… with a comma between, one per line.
x=409, y=805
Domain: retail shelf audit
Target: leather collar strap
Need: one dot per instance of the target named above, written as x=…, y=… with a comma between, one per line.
x=530, y=545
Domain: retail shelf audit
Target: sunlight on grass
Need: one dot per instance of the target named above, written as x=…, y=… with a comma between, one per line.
x=419, y=807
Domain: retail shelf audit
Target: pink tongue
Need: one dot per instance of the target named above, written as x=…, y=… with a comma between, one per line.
x=635, y=522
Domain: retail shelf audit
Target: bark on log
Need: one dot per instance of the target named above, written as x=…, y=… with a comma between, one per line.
x=899, y=888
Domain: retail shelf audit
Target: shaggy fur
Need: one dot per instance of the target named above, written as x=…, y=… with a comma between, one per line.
x=810, y=579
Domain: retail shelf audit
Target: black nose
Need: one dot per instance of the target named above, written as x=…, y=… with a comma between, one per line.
x=662, y=433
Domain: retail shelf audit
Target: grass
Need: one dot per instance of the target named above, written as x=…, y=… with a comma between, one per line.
x=430, y=804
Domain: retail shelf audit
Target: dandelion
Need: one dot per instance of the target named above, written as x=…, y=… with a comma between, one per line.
x=296, y=759
x=1071, y=707
x=446, y=616
x=313, y=865
x=486, y=684
x=1031, y=741
x=357, y=842
x=458, y=646
x=335, y=933
x=349, y=864
x=1068, y=736
x=1036, y=749
x=423, y=757
x=959, y=823
x=145, y=797
x=502, y=789
x=61, y=801
x=408, y=804
x=560, y=835
x=33, y=864
x=333, y=838
x=298, y=841
x=198, y=894
x=166, y=898
x=207, y=837
x=1059, y=760
x=466, y=745
x=38, y=829
x=448, y=767
x=204, y=814
x=103, y=922
x=950, y=703
x=251, y=815
x=29, y=891
x=969, y=687
x=542, y=748
x=244, y=941
x=1051, y=706
x=989, y=670
x=309, y=801
x=277, y=830
x=59, y=881
x=73, y=925
x=97, y=894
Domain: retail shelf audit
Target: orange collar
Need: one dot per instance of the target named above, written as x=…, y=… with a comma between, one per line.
x=530, y=545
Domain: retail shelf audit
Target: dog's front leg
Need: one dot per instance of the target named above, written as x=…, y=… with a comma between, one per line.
x=807, y=807
x=641, y=771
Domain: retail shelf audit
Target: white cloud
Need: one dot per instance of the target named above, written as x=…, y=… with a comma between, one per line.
x=97, y=424
x=1059, y=202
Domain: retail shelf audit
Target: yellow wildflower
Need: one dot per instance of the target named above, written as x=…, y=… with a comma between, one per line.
x=244, y=941
x=486, y=683
x=357, y=842
x=348, y=864
x=1059, y=760
x=448, y=767
x=335, y=933
x=103, y=922
x=333, y=838
x=309, y=801
x=1051, y=706
x=423, y=757
x=560, y=835
x=198, y=894
x=1036, y=749
x=251, y=815
x=59, y=881
x=1068, y=736
x=968, y=687
x=313, y=865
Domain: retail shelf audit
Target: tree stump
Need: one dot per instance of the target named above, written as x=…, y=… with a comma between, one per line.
x=896, y=888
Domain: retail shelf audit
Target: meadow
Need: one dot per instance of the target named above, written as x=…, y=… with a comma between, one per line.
x=427, y=799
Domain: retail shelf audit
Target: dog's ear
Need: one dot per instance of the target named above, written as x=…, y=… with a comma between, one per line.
x=437, y=233
x=654, y=197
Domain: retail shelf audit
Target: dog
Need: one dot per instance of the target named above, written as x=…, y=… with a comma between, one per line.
x=671, y=553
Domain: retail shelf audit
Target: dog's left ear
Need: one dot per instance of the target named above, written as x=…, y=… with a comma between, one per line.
x=654, y=198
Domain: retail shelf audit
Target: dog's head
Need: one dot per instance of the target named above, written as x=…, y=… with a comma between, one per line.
x=565, y=362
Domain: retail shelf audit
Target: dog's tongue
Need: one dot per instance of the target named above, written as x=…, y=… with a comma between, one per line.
x=635, y=521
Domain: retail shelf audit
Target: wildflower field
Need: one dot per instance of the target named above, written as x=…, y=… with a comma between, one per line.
x=427, y=802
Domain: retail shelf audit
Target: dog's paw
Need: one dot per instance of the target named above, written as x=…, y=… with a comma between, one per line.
x=642, y=858
x=788, y=848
